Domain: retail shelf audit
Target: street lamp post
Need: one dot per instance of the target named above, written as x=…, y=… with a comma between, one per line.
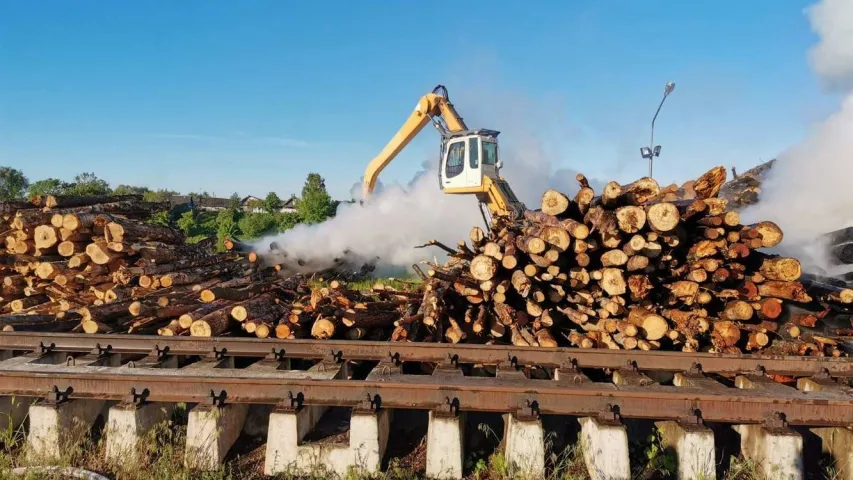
x=654, y=150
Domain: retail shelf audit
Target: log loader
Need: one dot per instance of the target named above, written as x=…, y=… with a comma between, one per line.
x=469, y=163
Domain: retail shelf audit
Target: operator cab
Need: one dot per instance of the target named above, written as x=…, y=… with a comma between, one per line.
x=466, y=157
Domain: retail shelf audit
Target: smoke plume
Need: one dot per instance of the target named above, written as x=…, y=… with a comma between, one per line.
x=808, y=190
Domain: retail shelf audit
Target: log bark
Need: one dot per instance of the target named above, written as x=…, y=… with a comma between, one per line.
x=67, y=201
x=573, y=227
x=261, y=305
x=186, y=320
x=196, y=275
x=121, y=230
x=213, y=324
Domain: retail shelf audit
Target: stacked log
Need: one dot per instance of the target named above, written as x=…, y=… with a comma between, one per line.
x=71, y=264
x=82, y=261
x=635, y=267
x=745, y=188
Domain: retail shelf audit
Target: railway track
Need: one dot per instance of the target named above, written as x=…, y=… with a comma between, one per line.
x=775, y=404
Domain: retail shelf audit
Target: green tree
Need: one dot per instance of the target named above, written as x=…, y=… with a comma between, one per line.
x=13, y=183
x=272, y=203
x=255, y=225
x=130, y=190
x=188, y=223
x=226, y=227
x=48, y=186
x=160, y=218
x=87, y=183
x=234, y=202
x=156, y=196
x=286, y=221
x=316, y=204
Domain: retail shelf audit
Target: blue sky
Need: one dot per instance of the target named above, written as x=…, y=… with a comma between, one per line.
x=251, y=96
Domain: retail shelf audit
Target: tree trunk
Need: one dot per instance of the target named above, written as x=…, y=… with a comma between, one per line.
x=186, y=320
x=324, y=327
x=63, y=201
x=554, y=202
x=630, y=219
x=663, y=217
x=710, y=183
x=483, y=268
x=259, y=306
x=195, y=275
x=213, y=324
x=45, y=236
x=100, y=254
x=781, y=268
x=121, y=230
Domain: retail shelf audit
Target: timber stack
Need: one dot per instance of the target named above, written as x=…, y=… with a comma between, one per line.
x=745, y=188
x=80, y=263
x=634, y=267
x=93, y=265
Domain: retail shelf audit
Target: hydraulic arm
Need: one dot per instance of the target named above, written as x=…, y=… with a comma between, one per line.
x=469, y=158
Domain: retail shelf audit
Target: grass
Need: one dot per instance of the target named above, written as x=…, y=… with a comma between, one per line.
x=162, y=458
x=162, y=455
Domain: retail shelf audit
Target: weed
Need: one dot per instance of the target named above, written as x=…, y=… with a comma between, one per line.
x=742, y=468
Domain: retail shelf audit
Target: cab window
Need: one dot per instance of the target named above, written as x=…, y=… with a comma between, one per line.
x=490, y=153
x=474, y=152
x=455, y=159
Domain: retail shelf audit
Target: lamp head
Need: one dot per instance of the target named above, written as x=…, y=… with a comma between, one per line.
x=670, y=86
x=646, y=152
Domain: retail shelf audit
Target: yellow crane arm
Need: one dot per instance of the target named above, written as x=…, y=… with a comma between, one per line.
x=429, y=106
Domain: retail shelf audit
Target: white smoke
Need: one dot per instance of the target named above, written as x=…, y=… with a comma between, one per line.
x=807, y=192
x=388, y=225
x=832, y=57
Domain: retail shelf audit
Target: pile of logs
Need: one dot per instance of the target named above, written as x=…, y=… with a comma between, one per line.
x=78, y=263
x=93, y=265
x=635, y=266
x=745, y=188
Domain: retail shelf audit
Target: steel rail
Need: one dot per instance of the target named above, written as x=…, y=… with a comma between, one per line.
x=431, y=352
x=425, y=392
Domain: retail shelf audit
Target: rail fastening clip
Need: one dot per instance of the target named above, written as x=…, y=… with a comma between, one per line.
x=137, y=398
x=58, y=396
x=218, y=399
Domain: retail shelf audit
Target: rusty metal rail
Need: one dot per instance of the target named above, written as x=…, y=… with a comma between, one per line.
x=387, y=388
x=437, y=353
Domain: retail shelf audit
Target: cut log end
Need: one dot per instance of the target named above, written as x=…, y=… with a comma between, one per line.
x=554, y=202
x=483, y=267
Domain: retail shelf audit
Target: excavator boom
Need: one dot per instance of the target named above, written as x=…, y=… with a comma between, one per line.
x=429, y=107
x=469, y=158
